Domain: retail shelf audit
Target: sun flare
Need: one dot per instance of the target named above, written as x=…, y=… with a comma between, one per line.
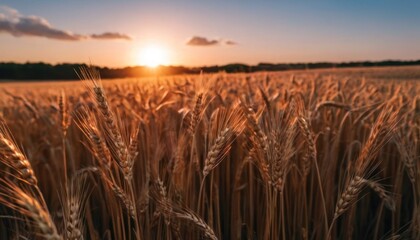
x=152, y=56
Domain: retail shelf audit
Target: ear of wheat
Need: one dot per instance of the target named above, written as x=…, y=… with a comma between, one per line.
x=30, y=207
x=186, y=214
x=74, y=206
x=228, y=124
x=11, y=156
x=115, y=140
x=380, y=134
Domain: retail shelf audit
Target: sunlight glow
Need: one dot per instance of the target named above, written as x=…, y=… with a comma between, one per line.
x=152, y=56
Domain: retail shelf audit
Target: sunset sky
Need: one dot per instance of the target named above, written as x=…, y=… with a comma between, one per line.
x=196, y=33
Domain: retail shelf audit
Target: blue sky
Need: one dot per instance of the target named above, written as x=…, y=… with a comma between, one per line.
x=264, y=31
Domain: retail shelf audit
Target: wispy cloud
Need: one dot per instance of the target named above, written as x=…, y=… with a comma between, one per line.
x=203, y=41
x=111, y=35
x=12, y=22
x=230, y=42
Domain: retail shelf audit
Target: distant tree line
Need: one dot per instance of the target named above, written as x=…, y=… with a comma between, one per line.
x=44, y=71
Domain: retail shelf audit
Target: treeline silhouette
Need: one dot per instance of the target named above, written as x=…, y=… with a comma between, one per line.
x=44, y=71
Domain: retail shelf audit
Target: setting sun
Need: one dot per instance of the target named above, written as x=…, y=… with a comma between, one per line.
x=152, y=56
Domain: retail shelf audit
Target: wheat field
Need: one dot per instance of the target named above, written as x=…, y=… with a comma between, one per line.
x=295, y=155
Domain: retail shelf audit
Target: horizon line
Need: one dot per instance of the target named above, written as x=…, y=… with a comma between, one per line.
x=219, y=65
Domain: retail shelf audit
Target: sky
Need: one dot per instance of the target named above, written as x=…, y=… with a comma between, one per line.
x=197, y=33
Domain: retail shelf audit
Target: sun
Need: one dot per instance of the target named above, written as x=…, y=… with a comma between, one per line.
x=152, y=56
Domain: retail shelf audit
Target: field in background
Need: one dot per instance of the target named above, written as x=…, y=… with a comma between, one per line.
x=372, y=73
x=325, y=154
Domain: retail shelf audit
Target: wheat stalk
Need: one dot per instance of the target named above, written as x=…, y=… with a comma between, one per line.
x=195, y=117
x=63, y=109
x=99, y=148
x=349, y=195
x=217, y=151
x=376, y=187
x=283, y=152
x=186, y=214
x=92, y=80
x=11, y=156
x=256, y=129
x=122, y=196
x=309, y=138
x=26, y=204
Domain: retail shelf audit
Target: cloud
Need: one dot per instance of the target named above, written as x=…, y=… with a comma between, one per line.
x=9, y=11
x=110, y=35
x=230, y=42
x=15, y=24
x=201, y=41
x=36, y=26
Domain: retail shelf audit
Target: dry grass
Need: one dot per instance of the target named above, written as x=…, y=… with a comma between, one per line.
x=302, y=155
